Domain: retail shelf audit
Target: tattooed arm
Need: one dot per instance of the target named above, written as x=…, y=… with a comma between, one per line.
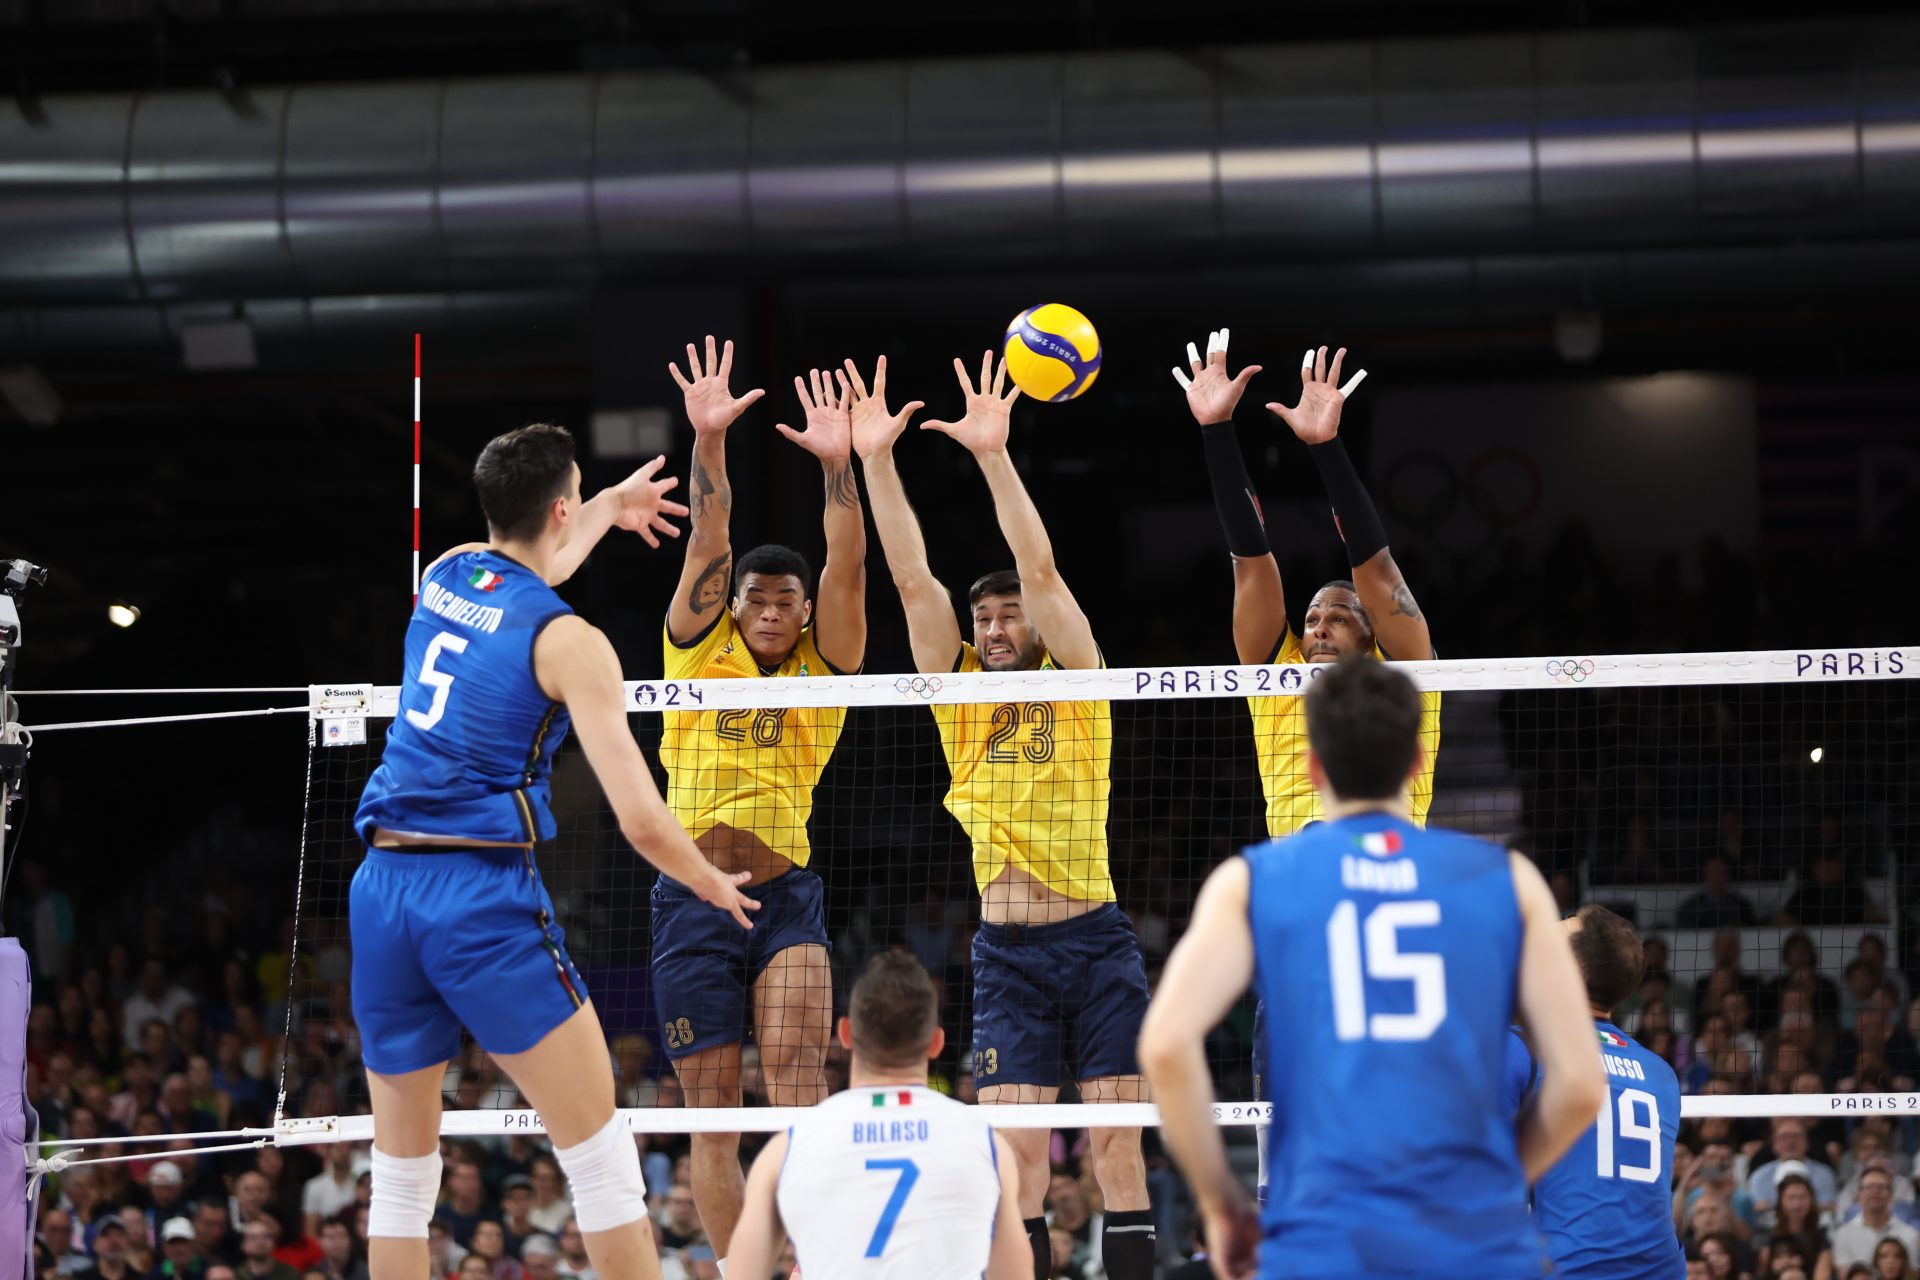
x=711, y=408
x=840, y=604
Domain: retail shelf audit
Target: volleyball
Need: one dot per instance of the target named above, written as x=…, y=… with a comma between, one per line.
x=1052, y=352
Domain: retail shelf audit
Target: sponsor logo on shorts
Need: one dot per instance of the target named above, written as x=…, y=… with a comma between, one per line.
x=1569, y=670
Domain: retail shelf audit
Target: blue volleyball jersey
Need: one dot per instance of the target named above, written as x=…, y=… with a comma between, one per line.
x=1388, y=957
x=1604, y=1209
x=470, y=754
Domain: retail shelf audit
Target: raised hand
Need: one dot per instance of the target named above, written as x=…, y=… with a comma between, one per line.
x=829, y=431
x=1316, y=419
x=1211, y=394
x=642, y=506
x=875, y=427
x=984, y=428
x=711, y=407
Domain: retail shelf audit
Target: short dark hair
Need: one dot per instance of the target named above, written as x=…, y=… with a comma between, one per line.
x=1001, y=582
x=1346, y=584
x=1363, y=721
x=1611, y=956
x=894, y=1010
x=775, y=561
x=518, y=474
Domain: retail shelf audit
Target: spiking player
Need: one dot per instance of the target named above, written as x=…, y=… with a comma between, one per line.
x=1392, y=958
x=1604, y=1209
x=1372, y=612
x=449, y=920
x=1059, y=984
x=889, y=1179
x=742, y=781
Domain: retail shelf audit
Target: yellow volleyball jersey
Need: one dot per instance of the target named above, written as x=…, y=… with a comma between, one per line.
x=1280, y=743
x=1030, y=785
x=753, y=771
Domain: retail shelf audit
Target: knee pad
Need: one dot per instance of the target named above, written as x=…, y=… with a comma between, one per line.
x=604, y=1173
x=404, y=1191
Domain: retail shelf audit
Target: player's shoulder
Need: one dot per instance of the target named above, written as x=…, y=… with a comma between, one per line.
x=684, y=656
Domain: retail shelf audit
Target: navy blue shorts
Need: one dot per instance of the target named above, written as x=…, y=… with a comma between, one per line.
x=441, y=940
x=1260, y=1051
x=1057, y=1003
x=704, y=963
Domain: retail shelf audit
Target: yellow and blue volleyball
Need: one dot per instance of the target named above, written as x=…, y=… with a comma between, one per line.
x=1052, y=352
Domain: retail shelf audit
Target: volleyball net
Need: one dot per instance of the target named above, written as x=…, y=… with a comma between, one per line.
x=1749, y=811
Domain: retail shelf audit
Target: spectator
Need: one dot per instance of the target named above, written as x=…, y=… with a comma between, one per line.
x=56, y=1229
x=540, y=1257
x=1860, y=987
x=213, y=1235
x=681, y=1225
x=1738, y=1014
x=1793, y=1254
x=516, y=1202
x=334, y=1187
x=181, y=1258
x=574, y=1263
x=1719, y=1253
x=252, y=1192
x=1872, y=948
x=1067, y=1256
x=110, y=1245
x=1790, y=1157
x=1712, y=1177
x=1800, y=969
x=1891, y=1261
x=177, y=1111
x=1710, y=1218
x=490, y=1243
x=157, y=999
x=1868, y=1151
x=1857, y=1240
x=1073, y=1214
x=551, y=1207
x=465, y=1206
x=142, y=1092
x=166, y=1194
x=1798, y=1220
x=475, y=1267
x=339, y=1260
x=1717, y=904
x=1830, y=895
x=443, y=1255
x=258, y=1239
x=206, y=1095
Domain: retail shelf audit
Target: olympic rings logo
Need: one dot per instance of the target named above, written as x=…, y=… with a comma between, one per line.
x=1573, y=670
x=922, y=687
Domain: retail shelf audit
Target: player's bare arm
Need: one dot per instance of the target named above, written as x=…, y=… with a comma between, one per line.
x=840, y=616
x=1043, y=592
x=711, y=408
x=575, y=665
x=1259, y=600
x=758, y=1235
x=1398, y=625
x=1205, y=975
x=1552, y=1008
x=637, y=504
x=1010, y=1257
x=932, y=627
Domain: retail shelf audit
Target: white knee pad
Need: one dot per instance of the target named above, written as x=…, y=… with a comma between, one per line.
x=404, y=1190
x=604, y=1172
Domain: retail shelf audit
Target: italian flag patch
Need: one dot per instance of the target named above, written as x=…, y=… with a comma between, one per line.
x=1617, y=1041
x=485, y=579
x=1382, y=844
x=903, y=1098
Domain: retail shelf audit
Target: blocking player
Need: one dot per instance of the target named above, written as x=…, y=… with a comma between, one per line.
x=1392, y=958
x=887, y=1179
x=742, y=781
x=450, y=922
x=1059, y=984
x=1372, y=612
x=1604, y=1209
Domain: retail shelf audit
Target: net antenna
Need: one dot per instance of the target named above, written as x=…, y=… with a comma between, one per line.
x=16, y=743
x=416, y=468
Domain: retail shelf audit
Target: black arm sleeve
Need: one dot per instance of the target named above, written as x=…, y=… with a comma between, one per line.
x=1353, y=513
x=1233, y=496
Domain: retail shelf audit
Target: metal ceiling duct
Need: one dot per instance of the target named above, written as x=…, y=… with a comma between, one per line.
x=1524, y=144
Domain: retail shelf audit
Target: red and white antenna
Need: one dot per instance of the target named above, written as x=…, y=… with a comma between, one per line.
x=416, y=468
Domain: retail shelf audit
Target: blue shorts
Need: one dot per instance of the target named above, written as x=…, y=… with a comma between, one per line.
x=446, y=939
x=1057, y=1003
x=704, y=963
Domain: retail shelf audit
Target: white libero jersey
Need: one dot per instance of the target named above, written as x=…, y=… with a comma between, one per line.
x=890, y=1183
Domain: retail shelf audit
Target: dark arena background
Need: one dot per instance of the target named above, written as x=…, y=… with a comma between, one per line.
x=1635, y=289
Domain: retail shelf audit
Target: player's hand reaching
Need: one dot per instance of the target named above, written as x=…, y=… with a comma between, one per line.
x=1316, y=419
x=642, y=506
x=1211, y=394
x=984, y=429
x=1233, y=1237
x=829, y=431
x=719, y=889
x=710, y=404
x=875, y=427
